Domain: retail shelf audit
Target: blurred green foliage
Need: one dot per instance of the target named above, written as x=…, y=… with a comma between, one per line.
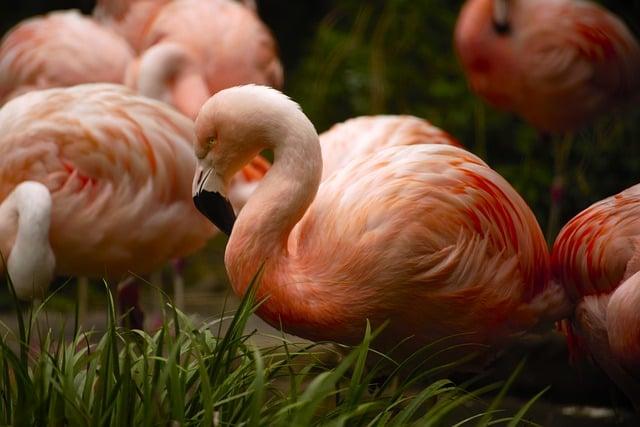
x=397, y=57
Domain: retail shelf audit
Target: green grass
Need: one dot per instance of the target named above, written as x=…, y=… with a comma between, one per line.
x=186, y=374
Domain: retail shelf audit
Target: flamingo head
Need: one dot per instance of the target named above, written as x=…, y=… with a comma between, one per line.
x=501, y=17
x=486, y=47
x=225, y=142
x=232, y=128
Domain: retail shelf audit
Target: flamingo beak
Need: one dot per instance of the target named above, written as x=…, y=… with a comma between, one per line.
x=210, y=201
x=501, y=17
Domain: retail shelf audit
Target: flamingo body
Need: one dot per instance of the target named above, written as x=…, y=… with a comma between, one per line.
x=194, y=48
x=426, y=236
x=118, y=168
x=398, y=231
x=57, y=50
x=596, y=257
x=560, y=65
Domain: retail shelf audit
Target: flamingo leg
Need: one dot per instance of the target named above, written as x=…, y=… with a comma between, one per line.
x=83, y=299
x=129, y=303
x=178, y=283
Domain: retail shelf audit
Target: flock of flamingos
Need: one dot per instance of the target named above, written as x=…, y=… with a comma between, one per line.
x=384, y=218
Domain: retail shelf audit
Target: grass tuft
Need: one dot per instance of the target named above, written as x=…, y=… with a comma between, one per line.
x=192, y=375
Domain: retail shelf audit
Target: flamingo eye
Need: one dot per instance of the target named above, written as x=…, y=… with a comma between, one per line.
x=203, y=150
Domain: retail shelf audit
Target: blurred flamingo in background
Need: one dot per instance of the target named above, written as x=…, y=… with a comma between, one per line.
x=94, y=181
x=194, y=48
x=364, y=136
x=597, y=258
x=129, y=18
x=426, y=236
x=556, y=63
x=57, y=50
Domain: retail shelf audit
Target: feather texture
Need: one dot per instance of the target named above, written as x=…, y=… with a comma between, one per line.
x=119, y=168
x=58, y=50
x=596, y=257
x=563, y=63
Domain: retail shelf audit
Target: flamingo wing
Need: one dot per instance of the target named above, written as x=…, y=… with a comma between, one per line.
x=429, y=228
x=119, y=169
x=599, y=247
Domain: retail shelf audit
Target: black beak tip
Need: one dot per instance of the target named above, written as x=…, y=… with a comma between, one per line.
x=502, y=28
x=217, y=209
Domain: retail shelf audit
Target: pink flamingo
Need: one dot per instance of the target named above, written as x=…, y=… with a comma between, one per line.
x=94, y=181
x=129, y=18
x=57, y=50
x=194, y=48
x=597, y=258
x=556, y=63
x=405, y=234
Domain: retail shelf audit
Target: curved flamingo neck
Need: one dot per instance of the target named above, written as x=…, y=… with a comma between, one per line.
x=31, y=262
x=262, y=230
x=167, y=72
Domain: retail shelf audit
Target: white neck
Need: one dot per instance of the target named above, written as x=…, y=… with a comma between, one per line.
x=31, y=262
x=168, y=73
x=158, y=65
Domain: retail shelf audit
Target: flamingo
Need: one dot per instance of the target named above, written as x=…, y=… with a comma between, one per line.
x=597, y=258
x=129, y=18
x=559, y=64
x=194, y=48
x=425, y=236
x=95, y=182
x=57, y=50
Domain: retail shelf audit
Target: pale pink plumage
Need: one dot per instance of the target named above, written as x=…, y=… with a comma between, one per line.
x=194, y=48
x=560, y=64
x=60, y=49
x=119, y=169
x=129, y=18
x=596, y=257
x=426, y=236
x=363, y=136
